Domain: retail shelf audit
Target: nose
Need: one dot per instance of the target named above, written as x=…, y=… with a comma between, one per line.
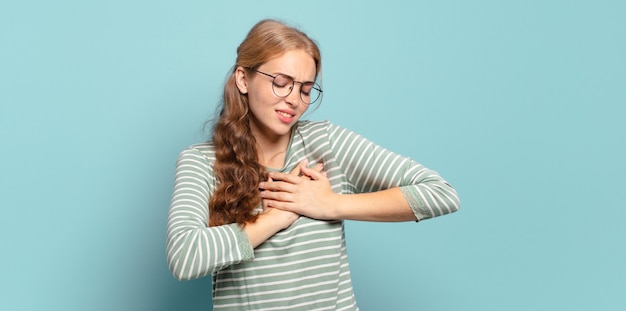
x=294, y=97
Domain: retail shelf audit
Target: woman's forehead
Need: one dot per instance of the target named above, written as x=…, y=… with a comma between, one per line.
x=295, y=63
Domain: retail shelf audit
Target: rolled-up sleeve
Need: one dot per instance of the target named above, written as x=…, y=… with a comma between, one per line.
x=370, y=167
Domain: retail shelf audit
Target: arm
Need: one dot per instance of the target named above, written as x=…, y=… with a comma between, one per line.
x=384, y=205
x=269, y=223
x=193, y=249
x=314, y=198
x=389, y=187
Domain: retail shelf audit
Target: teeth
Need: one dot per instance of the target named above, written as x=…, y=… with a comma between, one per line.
x=285, y=114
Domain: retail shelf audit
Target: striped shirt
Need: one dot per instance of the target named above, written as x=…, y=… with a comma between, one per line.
x=304, y=267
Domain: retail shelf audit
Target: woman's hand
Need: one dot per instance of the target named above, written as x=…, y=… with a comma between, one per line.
x=287, y=217
x=307, y=193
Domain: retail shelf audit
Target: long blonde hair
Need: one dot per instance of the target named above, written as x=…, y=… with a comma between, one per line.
x=236, y=166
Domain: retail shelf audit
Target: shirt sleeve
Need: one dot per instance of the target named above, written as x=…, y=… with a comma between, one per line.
x=370, y=168
x=193, y=249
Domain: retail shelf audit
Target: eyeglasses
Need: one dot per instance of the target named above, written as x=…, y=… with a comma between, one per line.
x=282, y=85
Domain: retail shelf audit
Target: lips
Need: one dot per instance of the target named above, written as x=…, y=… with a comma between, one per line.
x=285, y=115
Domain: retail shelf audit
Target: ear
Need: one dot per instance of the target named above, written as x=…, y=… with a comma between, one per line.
x=241, y=80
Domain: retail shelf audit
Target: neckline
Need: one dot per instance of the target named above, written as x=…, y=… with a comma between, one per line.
x=288, y=152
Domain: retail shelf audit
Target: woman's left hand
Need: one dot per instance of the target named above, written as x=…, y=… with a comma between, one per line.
x=312, y=197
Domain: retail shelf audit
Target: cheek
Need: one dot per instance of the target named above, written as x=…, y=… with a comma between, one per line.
x=260, y=96
x=259, y=103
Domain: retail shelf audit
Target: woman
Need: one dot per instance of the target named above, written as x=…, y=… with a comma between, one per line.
x=261, y=206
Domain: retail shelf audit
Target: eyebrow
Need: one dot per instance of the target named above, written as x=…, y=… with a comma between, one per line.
x=290, y=77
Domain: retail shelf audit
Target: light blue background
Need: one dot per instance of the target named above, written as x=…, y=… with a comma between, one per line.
x=519, y=104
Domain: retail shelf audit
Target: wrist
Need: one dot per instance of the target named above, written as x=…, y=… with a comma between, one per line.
x=279, y=218
x=336, y=207
x=289, y=218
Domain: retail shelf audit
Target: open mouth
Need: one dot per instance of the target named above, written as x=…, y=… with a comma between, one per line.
x=284, y=116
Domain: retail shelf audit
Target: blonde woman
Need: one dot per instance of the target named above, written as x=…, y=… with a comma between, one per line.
x=260, y=207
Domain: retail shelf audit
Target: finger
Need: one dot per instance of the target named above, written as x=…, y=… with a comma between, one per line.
x=303, y=169
x=289, y=178
x=273, y=185
x=313, y=174
x=318, y=167
x=285, y=206
x=296, y=170
x=276, y=196
x=305, y=164
x=264, y=204
x=278, y=186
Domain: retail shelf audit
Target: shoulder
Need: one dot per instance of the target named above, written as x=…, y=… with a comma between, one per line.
x=313, y=129
x=307, y=127
x=201, y=152
x=310, y=131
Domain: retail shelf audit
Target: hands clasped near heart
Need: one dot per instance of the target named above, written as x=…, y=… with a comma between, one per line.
x=304, y=191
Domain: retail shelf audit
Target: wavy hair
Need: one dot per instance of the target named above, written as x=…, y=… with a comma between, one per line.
x=236, y=167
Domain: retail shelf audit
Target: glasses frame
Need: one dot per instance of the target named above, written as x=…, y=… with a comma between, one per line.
x=293, y=84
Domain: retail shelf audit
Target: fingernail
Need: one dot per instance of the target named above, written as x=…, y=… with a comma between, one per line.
x=306, y=162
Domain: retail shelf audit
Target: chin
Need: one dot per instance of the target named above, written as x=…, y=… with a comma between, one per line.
x=283, y=130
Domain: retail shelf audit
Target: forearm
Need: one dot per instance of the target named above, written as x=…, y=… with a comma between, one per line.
x=194, y=251
x=387, y=205
x=370, y=168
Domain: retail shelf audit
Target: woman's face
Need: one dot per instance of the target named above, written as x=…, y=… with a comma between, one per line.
x=272, y=117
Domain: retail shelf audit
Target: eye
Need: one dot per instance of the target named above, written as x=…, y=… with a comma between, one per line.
x=283, y=81
x=306, y=88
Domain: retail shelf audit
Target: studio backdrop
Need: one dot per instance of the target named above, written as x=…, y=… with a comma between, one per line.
x=518, y=104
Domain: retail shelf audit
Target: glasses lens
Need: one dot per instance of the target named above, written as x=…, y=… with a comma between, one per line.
x=310, y=92
x=282, y=85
